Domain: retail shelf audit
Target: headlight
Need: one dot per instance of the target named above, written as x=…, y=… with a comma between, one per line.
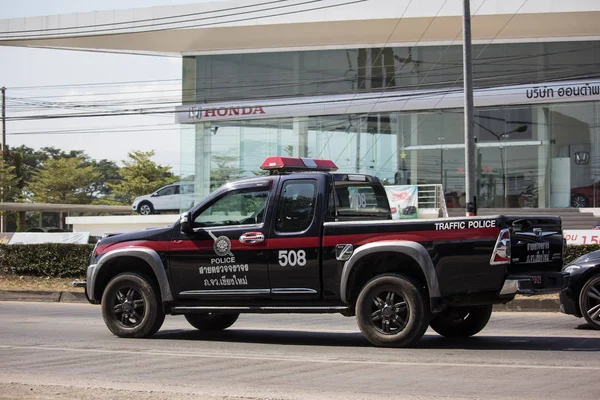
x=572, y=268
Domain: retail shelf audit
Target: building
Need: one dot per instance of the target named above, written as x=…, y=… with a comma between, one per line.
x=375, y=86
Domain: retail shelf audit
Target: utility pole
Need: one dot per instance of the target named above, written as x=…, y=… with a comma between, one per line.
x=3, y=149
x=471, y=200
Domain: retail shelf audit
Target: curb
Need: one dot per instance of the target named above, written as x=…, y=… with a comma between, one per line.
x=526, y=304
x=43, y=296
x=530, y=304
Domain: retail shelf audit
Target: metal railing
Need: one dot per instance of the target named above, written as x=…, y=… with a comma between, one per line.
x=432, y=197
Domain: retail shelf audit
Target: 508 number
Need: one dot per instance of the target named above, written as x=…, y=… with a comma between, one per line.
x=292, y=258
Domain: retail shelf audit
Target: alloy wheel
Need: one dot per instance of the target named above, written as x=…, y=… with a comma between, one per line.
x=129, y=307
x=579, y=201
x=389, y=312
x=590, y=301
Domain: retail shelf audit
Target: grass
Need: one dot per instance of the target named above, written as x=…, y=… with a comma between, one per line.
x=16, y=282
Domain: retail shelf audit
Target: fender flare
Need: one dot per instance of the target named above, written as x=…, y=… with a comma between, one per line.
x=414, y=250
x=150, y=256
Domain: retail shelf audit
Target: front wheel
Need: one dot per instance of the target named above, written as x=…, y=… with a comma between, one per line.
x=589, y=301
x=131, y=306
x=461, y=321
x=579, y=201
x=391, y=311
x=146, y=208
x=211, y=321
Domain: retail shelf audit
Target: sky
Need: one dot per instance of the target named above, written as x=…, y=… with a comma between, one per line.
x=139, y=78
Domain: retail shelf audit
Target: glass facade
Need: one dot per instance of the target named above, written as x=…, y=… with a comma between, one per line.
x=529, y=155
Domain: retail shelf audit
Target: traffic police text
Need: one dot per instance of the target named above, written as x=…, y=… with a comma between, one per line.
x=485, y=223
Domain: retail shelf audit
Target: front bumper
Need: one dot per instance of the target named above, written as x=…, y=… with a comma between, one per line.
x=537, y=283
x=88, y=284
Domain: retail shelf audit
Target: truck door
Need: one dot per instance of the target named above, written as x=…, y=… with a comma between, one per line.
x=227, y=253
x=294, y=252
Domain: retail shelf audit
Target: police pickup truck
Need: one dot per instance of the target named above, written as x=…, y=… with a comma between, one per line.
x=299, y=241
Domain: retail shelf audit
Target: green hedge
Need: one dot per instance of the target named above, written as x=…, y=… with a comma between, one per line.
x=66, y=260
x=575, y=251
x=62, y=260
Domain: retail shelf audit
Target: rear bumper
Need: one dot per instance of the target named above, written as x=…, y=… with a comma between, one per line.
x=540, y=283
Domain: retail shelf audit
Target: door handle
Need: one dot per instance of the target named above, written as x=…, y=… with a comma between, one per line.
x=252, y=237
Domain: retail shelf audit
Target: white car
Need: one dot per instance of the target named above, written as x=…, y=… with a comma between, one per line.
x=172, y=197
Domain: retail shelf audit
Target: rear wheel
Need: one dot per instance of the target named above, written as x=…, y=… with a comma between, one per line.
x=589, y=301
x=211, y=321
x=131, y=306
x=391, y=311
x=461, y=321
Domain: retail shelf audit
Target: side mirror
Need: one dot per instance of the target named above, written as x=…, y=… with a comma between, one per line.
x=154, y=194
x=186, y=222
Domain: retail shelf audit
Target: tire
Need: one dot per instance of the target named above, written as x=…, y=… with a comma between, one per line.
x=131, y=306
x=579, y=201
x=145, y=208
x=211, y=321
x=391, y=311
x=460, y=322
x=589, y=301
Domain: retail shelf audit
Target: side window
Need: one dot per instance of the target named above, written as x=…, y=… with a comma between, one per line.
x=296, y=206
x=360, y=200
x=235, y=208
x=169, y=190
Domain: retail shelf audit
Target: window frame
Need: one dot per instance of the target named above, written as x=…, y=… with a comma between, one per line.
x=284, y=185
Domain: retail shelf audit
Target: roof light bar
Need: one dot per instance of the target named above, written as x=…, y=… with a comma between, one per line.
x=284, y=164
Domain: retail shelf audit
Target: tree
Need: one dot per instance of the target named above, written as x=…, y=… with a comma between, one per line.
x=63, y=181
x=224, y=172
x=9, y=183
x=108, y=175
x=141, y=175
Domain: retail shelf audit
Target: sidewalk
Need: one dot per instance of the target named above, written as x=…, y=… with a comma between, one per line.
x=520, y=304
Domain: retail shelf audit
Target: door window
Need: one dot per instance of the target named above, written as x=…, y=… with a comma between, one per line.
x=169, y=190
x=296, y=206
x=235, y=208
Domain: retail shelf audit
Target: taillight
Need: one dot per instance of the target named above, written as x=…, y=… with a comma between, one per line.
x=501, y=254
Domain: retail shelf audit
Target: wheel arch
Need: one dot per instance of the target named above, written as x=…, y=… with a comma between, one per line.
x=408, y=258
x=140, y=260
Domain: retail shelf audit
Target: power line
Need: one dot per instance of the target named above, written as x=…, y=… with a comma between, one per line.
x=450, y=65
x=109, y=31
x=374, y=96
x=143, y=20
x=480, y=53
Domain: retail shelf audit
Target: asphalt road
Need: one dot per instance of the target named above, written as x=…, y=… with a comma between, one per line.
x=58, y=350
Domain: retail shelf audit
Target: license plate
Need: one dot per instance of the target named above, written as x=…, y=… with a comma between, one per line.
x=538, y=252
x=536, y=279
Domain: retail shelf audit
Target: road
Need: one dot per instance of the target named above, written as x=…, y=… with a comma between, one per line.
x=58, y=350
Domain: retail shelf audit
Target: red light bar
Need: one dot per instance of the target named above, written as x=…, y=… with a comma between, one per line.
x=297, y=164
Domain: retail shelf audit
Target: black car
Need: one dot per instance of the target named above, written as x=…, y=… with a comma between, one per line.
x=582, y=296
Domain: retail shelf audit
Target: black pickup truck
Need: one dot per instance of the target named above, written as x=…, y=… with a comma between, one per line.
x=296, y=241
